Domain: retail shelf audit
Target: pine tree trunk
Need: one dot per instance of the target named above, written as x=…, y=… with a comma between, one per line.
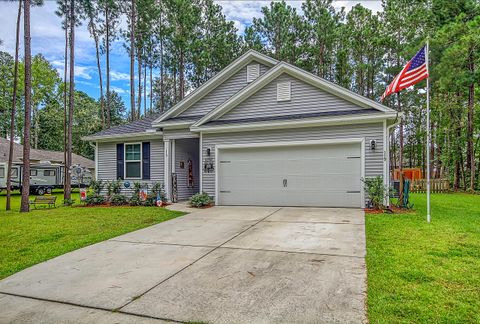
x=162, y=78
x=26, y=130
x=470, y=147
x=107, y=58
x=145, y=89
x=181, y=89
x=132, y=60
x=139, y=102
x=100, y=82
x=14, y=106
x=65, y=69
x=68, y=180
x=151, y=89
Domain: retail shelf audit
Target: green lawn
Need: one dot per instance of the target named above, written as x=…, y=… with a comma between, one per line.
x=29, y=238
x=428, y=273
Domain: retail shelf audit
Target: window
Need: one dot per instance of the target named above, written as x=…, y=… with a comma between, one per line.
x=33, y=173
x=283, y=91
x=253, y=72
x=14, y=173
x=133, y=161
x=49, y=173
x=2, y=172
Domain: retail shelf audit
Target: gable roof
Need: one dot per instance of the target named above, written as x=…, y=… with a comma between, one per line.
x=252, y=88
x=37, y=156
x=135, y=127
x=213, y=83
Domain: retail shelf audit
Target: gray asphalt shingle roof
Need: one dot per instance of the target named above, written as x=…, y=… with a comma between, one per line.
x=137, y=126
x=40, y=155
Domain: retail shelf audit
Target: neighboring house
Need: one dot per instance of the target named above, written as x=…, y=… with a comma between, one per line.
x=40, y=156
x=261, y=132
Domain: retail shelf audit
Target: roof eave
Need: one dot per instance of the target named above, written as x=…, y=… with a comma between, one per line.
x=284, y=124
x=114, y=137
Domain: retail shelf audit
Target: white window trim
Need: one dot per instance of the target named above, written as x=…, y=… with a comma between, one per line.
x=125, y=161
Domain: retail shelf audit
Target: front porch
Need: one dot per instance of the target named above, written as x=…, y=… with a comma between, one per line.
x=182, y=167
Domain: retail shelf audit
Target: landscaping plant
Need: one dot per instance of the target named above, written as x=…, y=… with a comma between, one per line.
x=118, y=200
x=200, y=200
x=376, y=191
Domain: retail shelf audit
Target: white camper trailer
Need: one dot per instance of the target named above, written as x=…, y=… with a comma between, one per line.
x=44, y=177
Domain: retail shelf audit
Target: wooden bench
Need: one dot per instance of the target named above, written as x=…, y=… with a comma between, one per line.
x=44, y=200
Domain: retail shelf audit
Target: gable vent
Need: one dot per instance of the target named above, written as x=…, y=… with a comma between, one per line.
x=253, y=72
x=284, y=91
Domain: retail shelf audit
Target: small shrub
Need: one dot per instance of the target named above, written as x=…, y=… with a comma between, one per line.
x=114, y=188
x=68, y=202
x=135, y=200
x=97, y=186
x=151, y=200
x=94, y=199
x=376, y=191
x=200, y=200
x=118, y=200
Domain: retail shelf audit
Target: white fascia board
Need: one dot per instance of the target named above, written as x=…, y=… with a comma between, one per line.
x=129, y=136
x=178, y=125
x=301, y=75
x=214, y=82
x=311, y=122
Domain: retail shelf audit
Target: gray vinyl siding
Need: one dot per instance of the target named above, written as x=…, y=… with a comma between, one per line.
x=305, y=99
x=223, y=92
x=187, y=149
x=373, y=159
x=107, y=163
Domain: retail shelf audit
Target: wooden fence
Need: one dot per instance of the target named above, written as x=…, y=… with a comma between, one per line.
x=436, y=185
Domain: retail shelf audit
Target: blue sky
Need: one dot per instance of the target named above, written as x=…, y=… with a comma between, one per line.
x=48, y=39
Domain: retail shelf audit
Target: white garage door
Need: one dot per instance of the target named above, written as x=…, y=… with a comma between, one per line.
x=303, y=175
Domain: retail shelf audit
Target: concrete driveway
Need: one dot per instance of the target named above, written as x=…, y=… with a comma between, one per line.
x=217, y=265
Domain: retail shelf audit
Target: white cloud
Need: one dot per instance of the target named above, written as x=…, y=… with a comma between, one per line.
x=243, y=12
x=119, y=90
x=119, y=76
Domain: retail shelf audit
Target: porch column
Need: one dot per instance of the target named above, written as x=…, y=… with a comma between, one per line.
x=167, y=174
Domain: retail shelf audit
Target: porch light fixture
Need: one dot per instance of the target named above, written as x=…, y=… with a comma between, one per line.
x=208, y=151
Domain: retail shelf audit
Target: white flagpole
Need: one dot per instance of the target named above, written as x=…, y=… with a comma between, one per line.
x=428, y=132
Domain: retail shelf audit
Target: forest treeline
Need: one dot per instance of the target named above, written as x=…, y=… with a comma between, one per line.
x=176, y=45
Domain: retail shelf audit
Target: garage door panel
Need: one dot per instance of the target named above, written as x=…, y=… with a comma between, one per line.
x=316, y=175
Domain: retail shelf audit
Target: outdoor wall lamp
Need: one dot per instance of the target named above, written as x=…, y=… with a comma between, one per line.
x=208, y=151
x=373, y=144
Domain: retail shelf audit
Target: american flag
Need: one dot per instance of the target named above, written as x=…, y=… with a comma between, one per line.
x=413, y=72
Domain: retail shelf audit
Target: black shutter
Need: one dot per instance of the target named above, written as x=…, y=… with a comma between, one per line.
x=146, y=160
x=120, y=162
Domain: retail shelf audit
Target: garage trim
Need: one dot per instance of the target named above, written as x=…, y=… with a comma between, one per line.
x=361, y=141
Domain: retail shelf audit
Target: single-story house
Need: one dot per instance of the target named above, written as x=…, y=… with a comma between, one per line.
x=260, y=132
x=41, y=156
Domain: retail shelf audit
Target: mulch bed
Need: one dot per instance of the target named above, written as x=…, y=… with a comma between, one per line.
x=107, y=204
x=391, y=210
